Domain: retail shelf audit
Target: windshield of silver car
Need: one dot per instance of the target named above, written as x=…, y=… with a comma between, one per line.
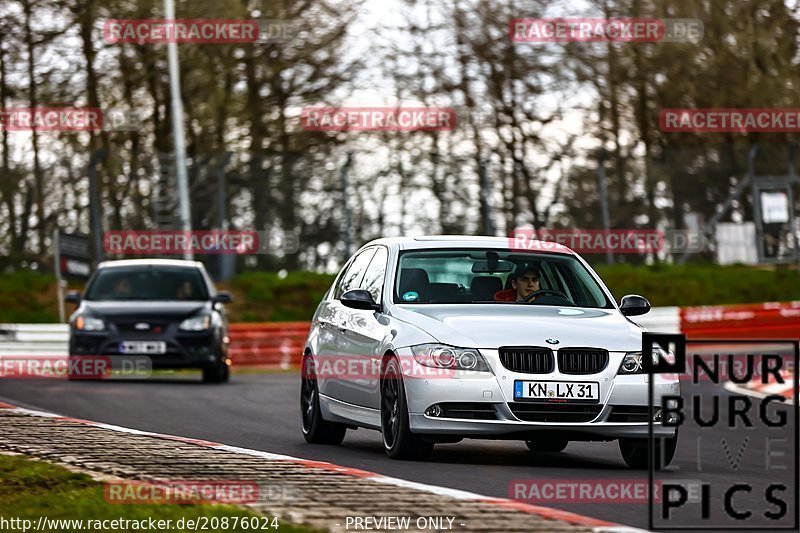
x=495, y=276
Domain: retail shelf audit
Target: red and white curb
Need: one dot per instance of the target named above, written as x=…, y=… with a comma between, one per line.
x=757, y=389
x=599, y=526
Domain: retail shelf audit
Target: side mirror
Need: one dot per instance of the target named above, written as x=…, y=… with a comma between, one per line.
x=359, y=299
x=73, y=297
x=222, y=297
x=634, y=305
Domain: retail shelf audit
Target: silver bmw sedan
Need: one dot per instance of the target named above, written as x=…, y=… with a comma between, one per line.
x=435, y=339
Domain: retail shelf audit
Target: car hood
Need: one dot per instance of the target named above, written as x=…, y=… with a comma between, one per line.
x=490, y=326
x=166, y=309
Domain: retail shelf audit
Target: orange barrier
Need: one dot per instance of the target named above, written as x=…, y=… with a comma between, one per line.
x=275, y=344
x=770, y=320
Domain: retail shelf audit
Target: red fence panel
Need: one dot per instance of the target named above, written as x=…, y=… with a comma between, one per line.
x=770, y=320
x=274, y=344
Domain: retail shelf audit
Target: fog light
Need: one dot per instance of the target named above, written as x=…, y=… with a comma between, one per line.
x=433, y=410
x=672, y=410
x=657, y=416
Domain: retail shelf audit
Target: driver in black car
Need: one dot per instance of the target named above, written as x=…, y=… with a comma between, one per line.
x=122, y=288
x=525, y=281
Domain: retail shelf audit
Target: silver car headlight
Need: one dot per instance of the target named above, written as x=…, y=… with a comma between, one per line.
x=444, y=356
x=632, y=362
x=89, y=323
x=196, y=323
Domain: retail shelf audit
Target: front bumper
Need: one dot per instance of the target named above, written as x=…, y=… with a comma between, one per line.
x=491, y=395
x=183, y=350
x=514, y=428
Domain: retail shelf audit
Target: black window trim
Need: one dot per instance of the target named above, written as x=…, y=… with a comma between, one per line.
x=385, y=271
x=347, y=267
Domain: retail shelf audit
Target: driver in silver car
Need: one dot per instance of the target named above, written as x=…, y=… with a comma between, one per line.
x=525, y=281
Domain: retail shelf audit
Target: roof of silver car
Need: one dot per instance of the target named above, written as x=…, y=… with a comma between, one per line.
x=471, y=241
x=149, y=261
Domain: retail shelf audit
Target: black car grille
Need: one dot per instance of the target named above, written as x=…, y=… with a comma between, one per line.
x=555, y=412
x=629, y=413
x=582, y=360
x=129, y=327
x=469, y=411
x=527, y=360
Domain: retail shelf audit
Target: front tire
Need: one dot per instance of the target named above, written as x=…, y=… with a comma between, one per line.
x=635, y=452
x=316, y=430
x=219, y=373
x=398, y=441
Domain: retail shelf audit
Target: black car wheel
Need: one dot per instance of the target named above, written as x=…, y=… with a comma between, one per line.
x=547, y=445
x=398, y=441
x=635, y=452
x=219, y=373
x=315, y=429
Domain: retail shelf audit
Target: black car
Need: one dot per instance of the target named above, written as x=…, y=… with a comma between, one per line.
x=166, y=311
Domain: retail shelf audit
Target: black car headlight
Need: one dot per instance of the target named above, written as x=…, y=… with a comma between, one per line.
x=444, y=356
x=89, y=323
x=632, y=362
x=196, y=323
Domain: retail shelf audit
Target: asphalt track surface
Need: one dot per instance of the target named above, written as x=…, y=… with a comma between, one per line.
x=261, y=411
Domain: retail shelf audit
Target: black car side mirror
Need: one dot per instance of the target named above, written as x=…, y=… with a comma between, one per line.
x=73, y=297
x=359, y=299
x=222, y=297
x=634, y=305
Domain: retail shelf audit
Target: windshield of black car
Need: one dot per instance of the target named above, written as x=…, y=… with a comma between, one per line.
x=147, y=283
x=488, y=276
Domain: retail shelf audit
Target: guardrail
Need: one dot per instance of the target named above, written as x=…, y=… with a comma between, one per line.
x=279, y=344
x=661, y=319
x=34, y=339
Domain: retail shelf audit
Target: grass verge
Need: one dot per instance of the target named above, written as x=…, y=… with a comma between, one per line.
x=30, y=489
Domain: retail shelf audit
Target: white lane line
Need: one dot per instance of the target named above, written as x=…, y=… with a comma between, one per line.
x=441, y=491
x=760, y=394
x=257, y=453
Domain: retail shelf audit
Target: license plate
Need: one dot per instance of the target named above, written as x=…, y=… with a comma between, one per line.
x=143, y=347
x=554, y=391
